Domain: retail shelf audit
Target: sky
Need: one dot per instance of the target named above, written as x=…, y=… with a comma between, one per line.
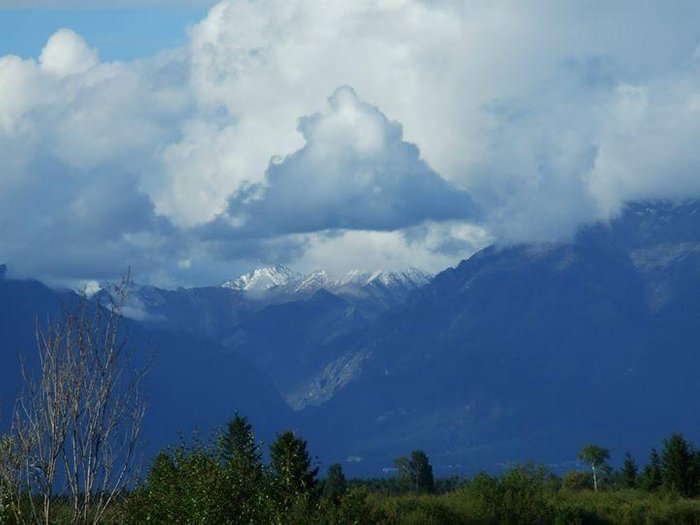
x=193, y=140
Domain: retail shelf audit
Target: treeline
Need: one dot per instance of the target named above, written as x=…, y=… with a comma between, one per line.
x=676, y=470
x=226, y=481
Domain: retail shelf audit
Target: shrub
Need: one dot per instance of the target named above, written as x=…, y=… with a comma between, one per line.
x=577, y=480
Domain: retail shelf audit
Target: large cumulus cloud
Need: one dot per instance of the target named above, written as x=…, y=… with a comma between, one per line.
x=355, y=172
x=77, y=137
x=546, y=114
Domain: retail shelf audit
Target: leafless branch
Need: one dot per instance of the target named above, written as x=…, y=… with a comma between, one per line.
x=77, y=421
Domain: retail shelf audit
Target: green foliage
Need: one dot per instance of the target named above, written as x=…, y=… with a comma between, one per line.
x=416, y=472
x=184, y=485
x=205, y=483
x=651, y=478
x=577, y=480
x=227, y=483
x=238, y=446
x=594, y=454
x=629, y=471
x=354, y=508
x=335, y=486
x=5, y=498
x=521, y=495
x=6, y=476
x=293, y=476
x=386, y=486
x=679, y=473
x=596, y=458
x=243, y=471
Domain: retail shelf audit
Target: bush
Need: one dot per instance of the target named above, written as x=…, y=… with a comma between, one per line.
x=577, y=480
x=354, y=507
x=524, y=494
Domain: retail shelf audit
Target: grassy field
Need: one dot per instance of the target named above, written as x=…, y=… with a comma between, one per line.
x=471, y=505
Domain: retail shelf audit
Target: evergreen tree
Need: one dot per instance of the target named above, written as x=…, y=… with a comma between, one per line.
x=629, y=471
x=335, y=486
x=678, y=465
x=238, y=445
x=651, y=479
x=294, y=477
x=596, y=458
x=243, y=471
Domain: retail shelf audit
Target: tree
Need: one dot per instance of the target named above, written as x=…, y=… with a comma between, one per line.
x=629, y=471
x=678, y=465
x=77, y=421
x=294, y=477
x=596, y=458
x=416, y=472
x=185, y=484
x=652, y=476
x=243, y=471
x=335, y=485
x=8, y=466
x=576, y=480
x=238, y=446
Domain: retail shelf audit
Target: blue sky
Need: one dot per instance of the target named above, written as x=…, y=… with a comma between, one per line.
x=119, y=34
x=194, y=140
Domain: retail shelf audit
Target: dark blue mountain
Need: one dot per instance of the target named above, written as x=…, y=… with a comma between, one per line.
x=520, y=352
x=192, y=382
x=528, y=352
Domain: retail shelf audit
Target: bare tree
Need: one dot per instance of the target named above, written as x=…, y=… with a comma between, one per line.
x=77, y=422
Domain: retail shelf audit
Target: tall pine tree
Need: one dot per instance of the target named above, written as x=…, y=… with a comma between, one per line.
x=243, y=471
x=629, y=471
x=678, y=466
x=294, y=476
x=651, y=479
x=335, y=485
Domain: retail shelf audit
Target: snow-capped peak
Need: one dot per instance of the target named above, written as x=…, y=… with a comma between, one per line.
x=285, y=282
x=264, y=279
x=314, y=281
x=411, y=277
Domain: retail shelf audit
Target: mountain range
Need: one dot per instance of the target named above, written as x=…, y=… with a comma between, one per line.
x=519, y=352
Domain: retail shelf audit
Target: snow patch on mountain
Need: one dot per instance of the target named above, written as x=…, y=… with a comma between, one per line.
x=313, y=282
x=264, y=279
x=282, y=280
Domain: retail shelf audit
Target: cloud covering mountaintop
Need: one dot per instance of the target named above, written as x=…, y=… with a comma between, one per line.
x=449, y=125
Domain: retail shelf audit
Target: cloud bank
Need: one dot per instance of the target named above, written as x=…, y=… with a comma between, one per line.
x=449, y=125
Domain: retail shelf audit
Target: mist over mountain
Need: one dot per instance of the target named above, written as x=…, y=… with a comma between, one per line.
x=519, y=352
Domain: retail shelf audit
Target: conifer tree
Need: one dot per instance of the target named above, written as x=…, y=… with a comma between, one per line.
x=294, y=476
x=243, y=471
x=629, y=471
x=335, y=485
x=678, y=465
x=238, y=445
x=651, y=479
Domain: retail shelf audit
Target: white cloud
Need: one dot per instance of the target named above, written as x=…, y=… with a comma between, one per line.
x=355, y=171
x=549, y=114
x=431, y=247
x=66, y=53
x=649, y=146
